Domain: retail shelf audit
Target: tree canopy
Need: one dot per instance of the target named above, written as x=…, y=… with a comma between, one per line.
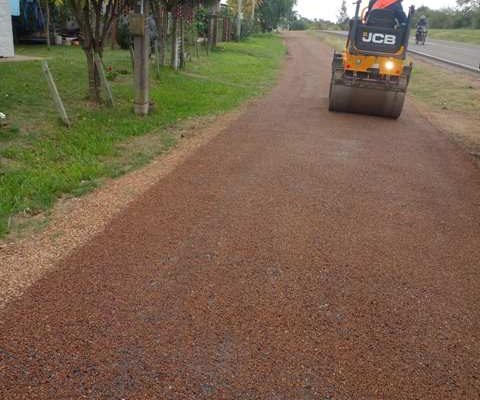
x=466, y=16
x=273, y=13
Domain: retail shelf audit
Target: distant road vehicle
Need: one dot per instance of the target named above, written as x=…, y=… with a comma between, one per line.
x=421, y=35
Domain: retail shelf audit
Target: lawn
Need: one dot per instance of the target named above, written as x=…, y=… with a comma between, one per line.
x=456, y=35
x=40, y=160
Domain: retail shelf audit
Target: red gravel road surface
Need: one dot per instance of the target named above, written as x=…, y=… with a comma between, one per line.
x=299, y=255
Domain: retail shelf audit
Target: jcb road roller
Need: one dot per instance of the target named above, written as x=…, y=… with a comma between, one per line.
x=371, y=76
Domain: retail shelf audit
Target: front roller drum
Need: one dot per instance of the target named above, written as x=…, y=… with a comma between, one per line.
x=365, y=100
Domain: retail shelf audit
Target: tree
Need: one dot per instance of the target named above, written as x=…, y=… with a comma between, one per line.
x=449, y=18
x=471, y=11
x=243, y=9
x=248, y=7
x=94, y=18
x=343, y=18
x=469, y=4
x=272, y=12
x=300, y=23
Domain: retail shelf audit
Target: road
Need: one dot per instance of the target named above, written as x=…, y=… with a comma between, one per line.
x=459, y=53
x=463, y=54
x=300, y=254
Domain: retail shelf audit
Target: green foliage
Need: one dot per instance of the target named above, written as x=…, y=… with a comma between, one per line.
x=276, y=13
x=123, y=34
x=469, y=4
x=40, y=160
x=447, y=18
x=343, y=18
x=300, y=24
x=201, y=21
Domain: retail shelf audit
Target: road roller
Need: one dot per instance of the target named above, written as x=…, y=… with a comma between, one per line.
x=371, y=75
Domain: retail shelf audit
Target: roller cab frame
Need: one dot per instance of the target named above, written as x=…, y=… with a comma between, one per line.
x=371, y=75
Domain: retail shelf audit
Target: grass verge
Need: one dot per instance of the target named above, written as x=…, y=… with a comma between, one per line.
x=456, y=35
x=41, y=161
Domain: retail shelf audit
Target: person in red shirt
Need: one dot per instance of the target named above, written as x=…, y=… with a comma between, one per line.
x=394, y=5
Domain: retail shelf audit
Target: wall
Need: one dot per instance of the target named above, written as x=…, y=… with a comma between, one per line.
x=6, y=35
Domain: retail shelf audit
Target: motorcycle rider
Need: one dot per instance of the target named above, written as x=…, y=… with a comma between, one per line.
x=423, y=23
x=422, y=28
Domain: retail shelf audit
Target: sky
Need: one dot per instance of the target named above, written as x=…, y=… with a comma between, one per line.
x=328, y=9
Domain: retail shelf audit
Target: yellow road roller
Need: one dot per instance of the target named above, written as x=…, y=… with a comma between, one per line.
x=371, y=76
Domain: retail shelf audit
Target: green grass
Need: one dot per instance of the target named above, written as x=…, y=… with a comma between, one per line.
x=40, y=160
x=333, y=40
x=456, y=35
x=442, y=90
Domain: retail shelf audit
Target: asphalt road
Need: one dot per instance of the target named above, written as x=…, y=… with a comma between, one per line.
x=463, y=54
x=460, y=53
x=300, y=254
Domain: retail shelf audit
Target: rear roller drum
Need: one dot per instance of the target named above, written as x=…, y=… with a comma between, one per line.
x=363, y=100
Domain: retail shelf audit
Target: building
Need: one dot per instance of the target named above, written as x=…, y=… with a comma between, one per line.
x=7, y=9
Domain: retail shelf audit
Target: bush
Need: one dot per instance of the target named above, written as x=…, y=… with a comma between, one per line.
x=123, y=34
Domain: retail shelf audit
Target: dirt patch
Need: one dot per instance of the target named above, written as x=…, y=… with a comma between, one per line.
x=20, y=58
x=462, y=128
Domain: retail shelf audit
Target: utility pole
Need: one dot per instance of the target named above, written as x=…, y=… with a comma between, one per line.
x=140, y=30
x=239, y=19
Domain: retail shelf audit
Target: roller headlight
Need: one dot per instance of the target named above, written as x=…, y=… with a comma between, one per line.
x=389, y=65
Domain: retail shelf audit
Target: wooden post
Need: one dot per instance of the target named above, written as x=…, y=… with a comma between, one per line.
x=140, y=31
x=56, y=96
x=103, y=78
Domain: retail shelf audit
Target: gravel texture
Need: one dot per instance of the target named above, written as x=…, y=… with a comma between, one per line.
x=74, y=221
x=299, y=255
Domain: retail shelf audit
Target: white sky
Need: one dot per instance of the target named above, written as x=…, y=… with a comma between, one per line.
x=328, y=9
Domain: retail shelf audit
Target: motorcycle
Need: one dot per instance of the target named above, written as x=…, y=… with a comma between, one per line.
x=421, y=36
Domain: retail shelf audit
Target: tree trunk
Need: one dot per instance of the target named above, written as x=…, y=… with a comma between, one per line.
x=210, y=32
x=215, y=31
x=162, y=34
x=160, y=14
x=174, y=55
x=47, y=6
x=239, y=20
x=182, y=43
x=94, y=84
x=113, y=34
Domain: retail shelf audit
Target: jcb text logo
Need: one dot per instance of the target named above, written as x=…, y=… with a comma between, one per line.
x=378, y=38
